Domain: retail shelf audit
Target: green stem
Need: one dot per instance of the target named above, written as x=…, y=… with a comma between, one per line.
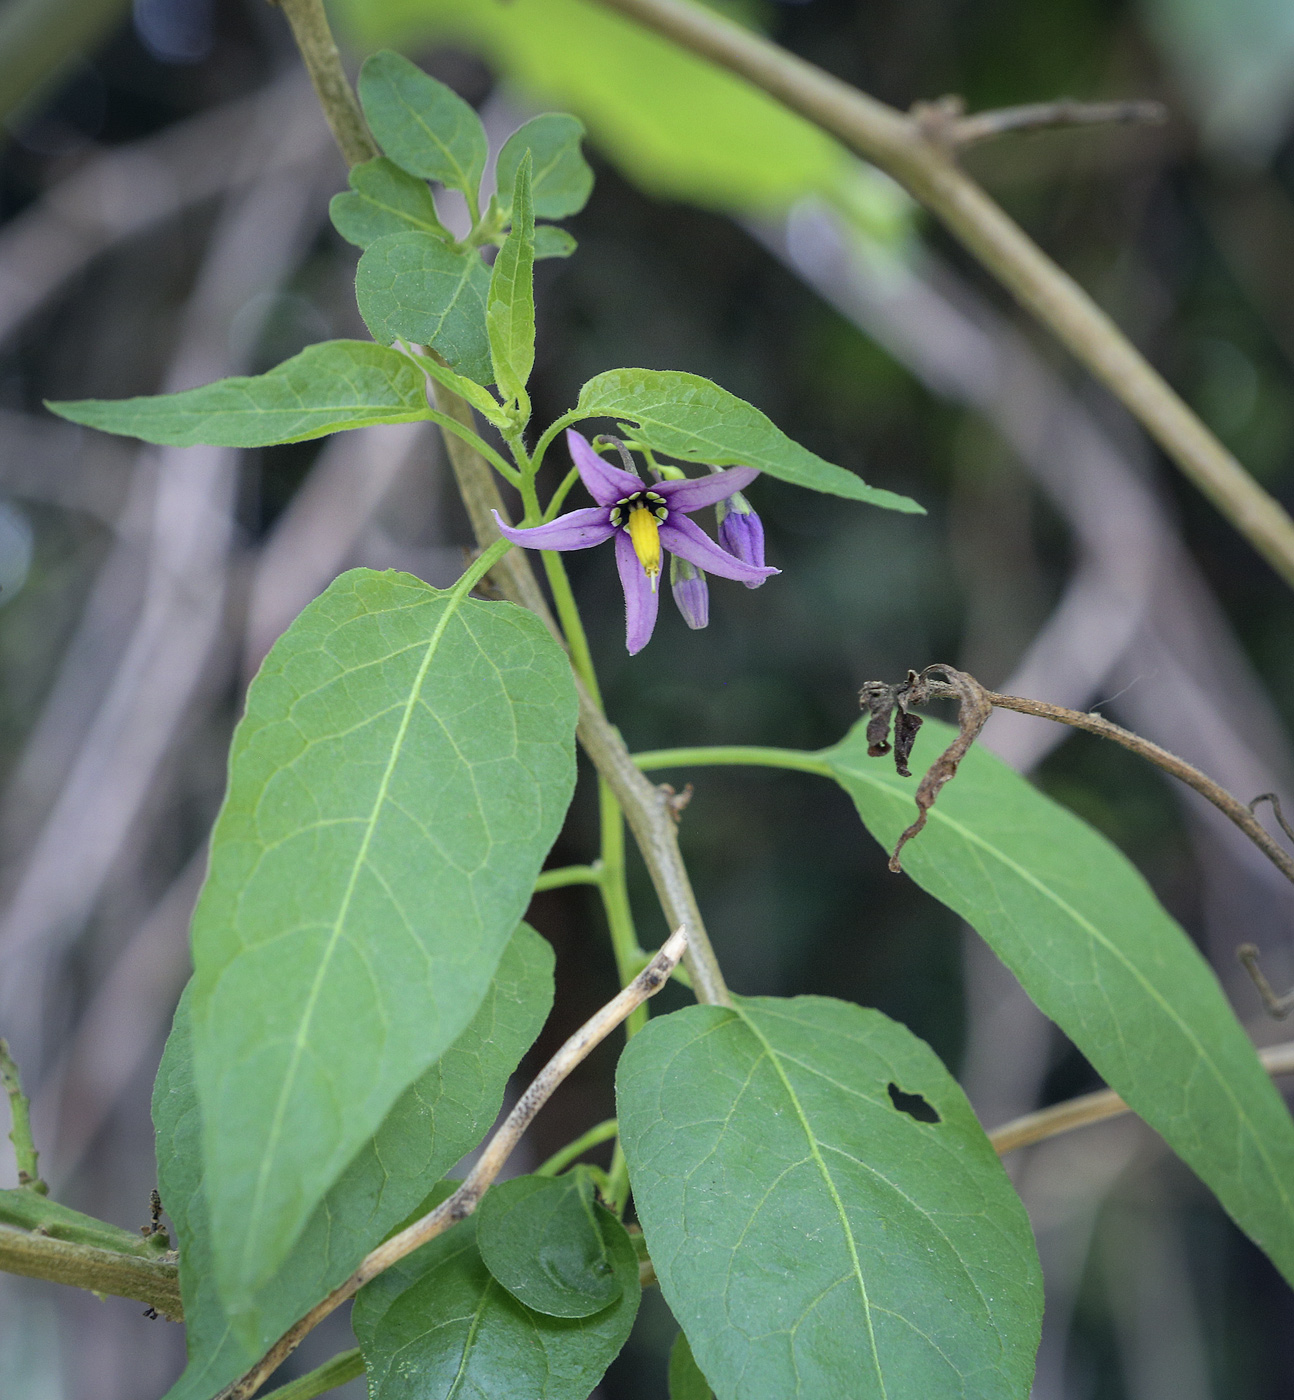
x=562, y=1159
x=555, y=504
x=343, y=1367
x=573, y=629
x=476, y=571
x=24, y=1146
x=568, y=875
x=546, y=438
x=750, y=755
x=500, y=464
x=152, y=1281
x=323, y=63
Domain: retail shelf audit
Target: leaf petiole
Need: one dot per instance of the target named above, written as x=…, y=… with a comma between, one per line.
x=561, y=1159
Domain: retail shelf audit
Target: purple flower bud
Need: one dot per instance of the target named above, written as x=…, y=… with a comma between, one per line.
x=691, y=592
x=741, y=532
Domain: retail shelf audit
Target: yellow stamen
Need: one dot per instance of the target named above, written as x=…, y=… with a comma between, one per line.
x=645, y=536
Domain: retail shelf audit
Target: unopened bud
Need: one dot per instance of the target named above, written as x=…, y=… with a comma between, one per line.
x=691, y=592
x=741, y=532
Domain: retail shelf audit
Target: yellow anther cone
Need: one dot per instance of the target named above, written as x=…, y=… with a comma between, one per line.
x=644, y=534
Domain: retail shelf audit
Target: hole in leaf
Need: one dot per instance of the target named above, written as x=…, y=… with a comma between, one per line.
x=914, y=1106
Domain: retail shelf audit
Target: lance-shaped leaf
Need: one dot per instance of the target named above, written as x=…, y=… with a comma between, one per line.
x=434, y=1122
x=540, y=1237
x=561, y=180
x=403, y=766
x=384, y=199
x=692, y=418
x=422, y=125
x=812, y=1237
x=1093, y=947
x=439, y=1326
x=325, y=389
x=413, y=285
x=510, y=316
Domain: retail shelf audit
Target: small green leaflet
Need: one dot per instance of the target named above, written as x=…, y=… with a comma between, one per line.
x=422, y=125
x=434, y=1122
x=510, y=315
x=440, y=1316
x=811, y=1236
x=553, y=242
x=561, y=180
x=327, y=388
x=540, y=1238
x=384, y=199
x=685, y=1379
x=1093, y=947
x=414, y=286
x=688, y=417
x=400, y=773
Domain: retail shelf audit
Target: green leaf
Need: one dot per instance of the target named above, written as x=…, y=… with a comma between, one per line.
x=553, y=242
x=1093, y=947
x=325, y=389
x=561, y=180
x=812, y=1237
x=422, y=125
x=438, y=1325
x=539, y=1237
x=435, y=1121
x=685, y=1379
x=510, y=316
x=384, y=199
x=691, y=418
x=675, y=123
x=402, y=769
x=414, y=286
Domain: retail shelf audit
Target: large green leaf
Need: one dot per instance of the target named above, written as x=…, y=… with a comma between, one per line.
x=438, y=1325
x=1098, y=953
x=685, y=1379
x=673, y=122
x=399, y=775
x=433, y=1123
x=383, y=199
x=422, y=125
x=692, y=418
x=541, y=1239
x=561, y=180
x=415, y=286
x=325, y=389
x=813, y=1235
x=510, y=315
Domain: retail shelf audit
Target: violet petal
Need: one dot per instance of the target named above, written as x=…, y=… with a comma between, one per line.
x=577, y=529
x=742, y=535
x=640, y=598
x=698, y=491
x=680, y=536
x=691, y=593
x=605, y=483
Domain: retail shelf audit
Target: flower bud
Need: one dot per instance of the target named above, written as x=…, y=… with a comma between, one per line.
x=741, y=532
x=691, y=592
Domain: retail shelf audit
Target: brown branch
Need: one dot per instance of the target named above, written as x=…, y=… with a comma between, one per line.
x=1039, y=116
x=1094, y=1108
x=926, y=168
x=497, y=1151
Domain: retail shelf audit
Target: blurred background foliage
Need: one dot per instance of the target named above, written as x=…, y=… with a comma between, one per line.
x=163, y=187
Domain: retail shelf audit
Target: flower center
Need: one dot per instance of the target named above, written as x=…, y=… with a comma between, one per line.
x=641, y=514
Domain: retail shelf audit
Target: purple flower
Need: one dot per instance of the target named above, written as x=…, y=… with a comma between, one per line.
x=691, y=593
x=643, y=520
x=741, y=532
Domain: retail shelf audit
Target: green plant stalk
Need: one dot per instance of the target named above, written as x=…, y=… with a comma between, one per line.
x=918, y=152
x=726, y=755
x=343, y=1367
x=26, y=1209
x=562, y=1158
x=340, y=106
x=152, y=1281
x=24, y=1145
x=565, y=875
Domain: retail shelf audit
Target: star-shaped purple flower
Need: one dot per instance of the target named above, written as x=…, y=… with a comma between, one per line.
x=643, y=519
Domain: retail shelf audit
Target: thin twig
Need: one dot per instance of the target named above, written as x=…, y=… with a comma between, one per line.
x=24, y=1146
x=1277, y=1007
x=1093, y=1108
x=323, y=62
x=1037, y=116
x=899, y=145
x=497, y=1151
